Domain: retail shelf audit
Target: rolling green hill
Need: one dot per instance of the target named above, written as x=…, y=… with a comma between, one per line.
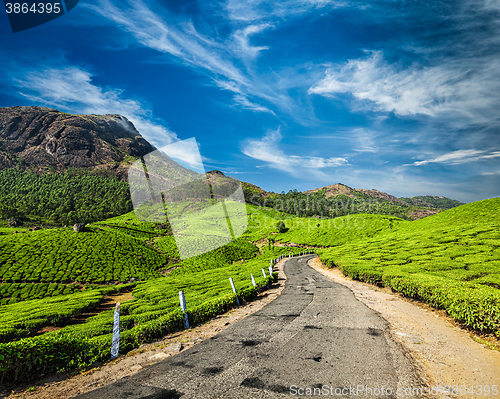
x=432, y=201
x=450, y=261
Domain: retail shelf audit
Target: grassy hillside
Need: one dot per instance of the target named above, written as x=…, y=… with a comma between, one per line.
x=50, y=276
x=77, y=196
x=317, y=232
x=432, y=201
x=341, y=200
x=450, y=260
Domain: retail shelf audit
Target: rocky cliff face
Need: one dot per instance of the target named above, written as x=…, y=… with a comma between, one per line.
x=35, y=138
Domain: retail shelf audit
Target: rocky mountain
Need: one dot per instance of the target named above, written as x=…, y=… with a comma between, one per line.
x=341, y=189
x=37, y=138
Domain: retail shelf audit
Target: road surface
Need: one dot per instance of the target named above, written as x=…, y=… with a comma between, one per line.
x=315, y=340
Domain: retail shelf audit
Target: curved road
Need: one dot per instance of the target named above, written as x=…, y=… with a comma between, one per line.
x=316, y=334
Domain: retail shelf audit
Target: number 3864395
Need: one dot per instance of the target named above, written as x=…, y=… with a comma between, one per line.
x=40, y=8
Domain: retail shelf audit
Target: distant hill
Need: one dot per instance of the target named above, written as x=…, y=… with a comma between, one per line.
x=339, y=200
x=92, y=155
x=433, y=201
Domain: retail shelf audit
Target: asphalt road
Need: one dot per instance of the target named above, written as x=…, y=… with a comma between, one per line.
x=316, y=334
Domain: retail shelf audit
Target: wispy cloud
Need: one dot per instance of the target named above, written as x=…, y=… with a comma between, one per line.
x=254, y=10
x=458, y=89
x=242, y=40
x=159, y=30
x=460, y=157
x=267, y=150
x=364, y=140
x=70, y=88
x=244, y=102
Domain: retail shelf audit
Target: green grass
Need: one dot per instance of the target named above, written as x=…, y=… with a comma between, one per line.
x=11, y=230
x=330, y=232
x=24, y=319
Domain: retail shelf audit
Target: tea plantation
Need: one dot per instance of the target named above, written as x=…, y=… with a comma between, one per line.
x=49, y=277
x=450, y=261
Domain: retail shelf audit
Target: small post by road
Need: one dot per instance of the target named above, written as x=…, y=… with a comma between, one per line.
x=115, y=342
x=234, y=290
x=182, y=300
x=264, y=274
x=253, y=280
x=270, y=271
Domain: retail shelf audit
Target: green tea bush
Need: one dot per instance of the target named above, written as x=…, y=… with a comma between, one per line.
x=450, y=261
x=79, y=346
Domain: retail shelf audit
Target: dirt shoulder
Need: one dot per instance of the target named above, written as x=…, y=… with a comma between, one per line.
x=67, y=386
x=448, y=354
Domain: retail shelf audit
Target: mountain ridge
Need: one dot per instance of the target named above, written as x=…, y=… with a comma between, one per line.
x=36, y=138
x=40, y=140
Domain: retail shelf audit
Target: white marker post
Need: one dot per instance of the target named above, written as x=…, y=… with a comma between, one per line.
x=253, y=280
x=270, y=271
x=234, y=290
x=115, y=342
x=182, y=300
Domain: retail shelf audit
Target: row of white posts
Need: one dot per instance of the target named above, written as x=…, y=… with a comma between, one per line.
x=115, y=343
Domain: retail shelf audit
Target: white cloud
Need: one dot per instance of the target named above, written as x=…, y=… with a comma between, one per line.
x=253, y=10
x=181, y=40
x=244, y=102
x=160, y=32
x=365, y=140
x=70, y=88
x=229, y=62
x=242, y=40
x=460, y=156
x=267, y=150
x=468, y=89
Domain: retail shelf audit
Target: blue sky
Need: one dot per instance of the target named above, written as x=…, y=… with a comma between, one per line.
x=400, y=96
